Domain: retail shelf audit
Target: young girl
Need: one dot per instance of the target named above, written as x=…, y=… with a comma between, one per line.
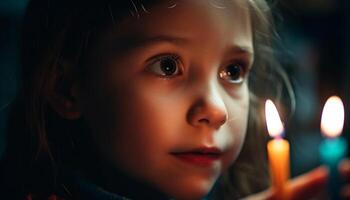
x=140, y=100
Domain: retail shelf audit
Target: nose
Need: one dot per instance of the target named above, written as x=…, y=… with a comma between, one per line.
x=208, y=109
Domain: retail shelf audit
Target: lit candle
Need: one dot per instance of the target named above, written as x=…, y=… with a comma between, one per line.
x=333, y=149
x=278, y=151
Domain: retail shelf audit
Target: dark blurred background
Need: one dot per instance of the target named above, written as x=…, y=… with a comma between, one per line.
x=314, y=49
x=11, y=12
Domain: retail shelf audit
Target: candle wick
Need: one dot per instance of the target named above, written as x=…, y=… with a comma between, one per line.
x=278, y=137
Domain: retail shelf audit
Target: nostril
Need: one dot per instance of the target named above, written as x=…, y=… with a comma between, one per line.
x=205, y=121
x=223, y=121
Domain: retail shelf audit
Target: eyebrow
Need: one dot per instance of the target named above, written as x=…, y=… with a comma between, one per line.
x=242, y=50
x=131, y=42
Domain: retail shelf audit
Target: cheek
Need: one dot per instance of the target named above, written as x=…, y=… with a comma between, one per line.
x=139, y=124
x=235, y=128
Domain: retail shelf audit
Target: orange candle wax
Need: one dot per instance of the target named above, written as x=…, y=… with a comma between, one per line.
x=278, y=153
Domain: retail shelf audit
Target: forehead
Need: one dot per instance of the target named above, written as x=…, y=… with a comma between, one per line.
x=188, y=18
x=196, y=20
x=184, y=12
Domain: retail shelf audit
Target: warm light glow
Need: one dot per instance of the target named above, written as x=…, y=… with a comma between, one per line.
x=273, y=120
x=332, y=119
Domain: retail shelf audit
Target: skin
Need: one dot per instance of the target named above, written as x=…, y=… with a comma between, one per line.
x=138, y=116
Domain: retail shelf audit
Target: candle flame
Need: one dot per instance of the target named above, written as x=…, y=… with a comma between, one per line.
x=273, y=120
x=332, y=119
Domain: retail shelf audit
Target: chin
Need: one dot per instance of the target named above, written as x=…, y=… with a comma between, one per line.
x=194, y=191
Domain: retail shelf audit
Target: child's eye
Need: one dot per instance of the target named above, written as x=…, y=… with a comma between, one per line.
x=233, y=73
x=168, y=66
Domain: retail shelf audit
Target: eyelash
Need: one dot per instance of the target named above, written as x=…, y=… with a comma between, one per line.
x=235, y=65
x=224, y=74
x=175, y=59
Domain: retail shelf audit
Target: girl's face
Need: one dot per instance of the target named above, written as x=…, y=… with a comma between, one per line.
x=170, y=99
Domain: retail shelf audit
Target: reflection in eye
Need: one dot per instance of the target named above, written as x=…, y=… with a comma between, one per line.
x=233, y=73
x=167, y=66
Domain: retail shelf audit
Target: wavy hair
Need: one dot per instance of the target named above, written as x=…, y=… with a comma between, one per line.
x=39, y=142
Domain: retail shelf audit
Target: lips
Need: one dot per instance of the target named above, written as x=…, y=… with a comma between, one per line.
x=205, y=156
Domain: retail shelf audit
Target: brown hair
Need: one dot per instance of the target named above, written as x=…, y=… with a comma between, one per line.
x=250, y=173
x=56, y=31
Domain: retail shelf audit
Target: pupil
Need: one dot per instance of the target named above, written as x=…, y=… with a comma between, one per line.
x=168, y=66
x=234, y=72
